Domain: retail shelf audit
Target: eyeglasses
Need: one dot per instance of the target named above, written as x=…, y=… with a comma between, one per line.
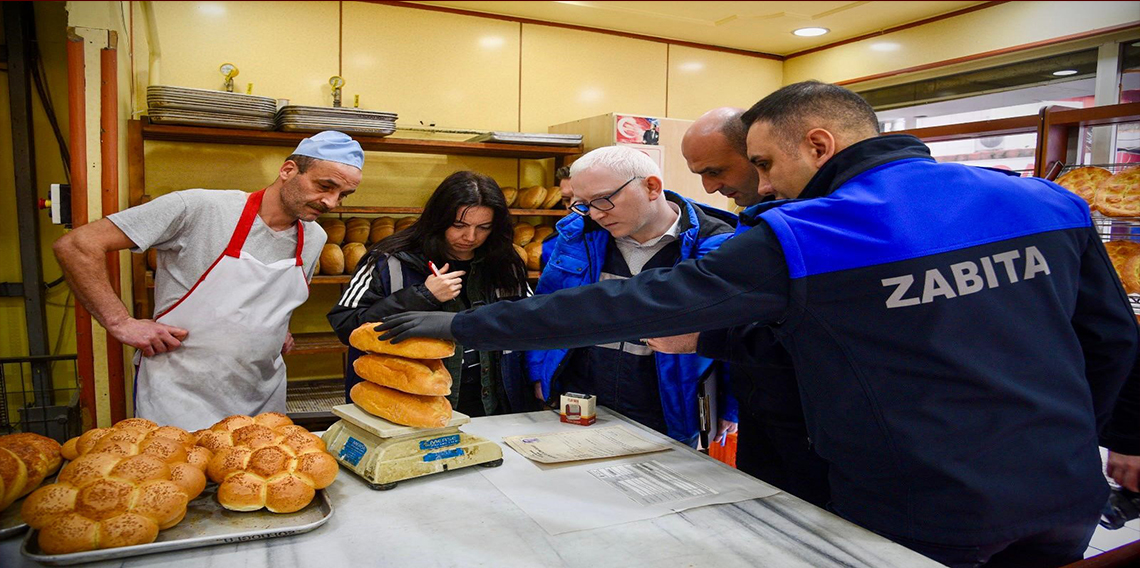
x=603, y=203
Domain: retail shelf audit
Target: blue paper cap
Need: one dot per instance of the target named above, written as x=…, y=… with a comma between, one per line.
x=332, y=146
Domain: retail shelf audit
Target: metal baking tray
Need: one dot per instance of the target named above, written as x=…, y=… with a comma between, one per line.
x=207, y=523
x=11, y=523
x=162, y=118
x=524, y=138
x=347, y=129
x=337, y=112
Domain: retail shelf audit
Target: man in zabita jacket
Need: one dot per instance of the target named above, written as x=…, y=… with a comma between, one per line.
x=959, y=335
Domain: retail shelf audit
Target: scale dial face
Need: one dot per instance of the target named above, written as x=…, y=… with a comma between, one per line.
x=336, y=81
x=229, y=70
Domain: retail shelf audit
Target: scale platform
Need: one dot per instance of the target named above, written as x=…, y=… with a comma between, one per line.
x=384, y=453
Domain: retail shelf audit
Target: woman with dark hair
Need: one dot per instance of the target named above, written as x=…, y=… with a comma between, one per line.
x=466, y=233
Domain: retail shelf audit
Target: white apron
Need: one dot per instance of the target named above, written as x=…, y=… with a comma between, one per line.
x=230, y=363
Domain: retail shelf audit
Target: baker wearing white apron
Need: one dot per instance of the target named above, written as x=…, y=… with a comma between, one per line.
x=237, y=315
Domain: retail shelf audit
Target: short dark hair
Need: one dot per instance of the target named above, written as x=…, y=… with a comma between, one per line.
x=736, y=132
x=303, y=162
x=788, y=109
x=561, y=174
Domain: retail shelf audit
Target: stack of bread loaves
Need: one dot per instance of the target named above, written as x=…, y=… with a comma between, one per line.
x=123, y=485
x=405, y=383
x=337, y=258
x=266, y=461
x=25, y=460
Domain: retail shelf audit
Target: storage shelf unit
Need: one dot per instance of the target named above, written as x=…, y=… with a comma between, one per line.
x=141, y=131
x=368, y=210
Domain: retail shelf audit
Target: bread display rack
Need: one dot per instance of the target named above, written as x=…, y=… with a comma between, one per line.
x=143, y=130
x=1058, y=129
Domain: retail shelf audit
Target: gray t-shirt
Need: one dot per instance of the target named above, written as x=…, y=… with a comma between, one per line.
x=191, y=228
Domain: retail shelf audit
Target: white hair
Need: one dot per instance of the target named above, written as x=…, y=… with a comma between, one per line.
x=624, y=161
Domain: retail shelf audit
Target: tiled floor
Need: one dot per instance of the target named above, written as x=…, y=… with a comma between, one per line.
x=1104, y=539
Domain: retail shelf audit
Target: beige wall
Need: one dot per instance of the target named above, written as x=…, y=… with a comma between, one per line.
x=450, y=70
x=1005, y=25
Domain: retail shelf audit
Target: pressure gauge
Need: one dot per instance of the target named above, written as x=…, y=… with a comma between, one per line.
x=336, y=81
x=229, y=70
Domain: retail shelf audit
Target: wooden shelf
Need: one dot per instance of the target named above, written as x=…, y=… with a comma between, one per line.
x=320, y=280
x=340, y=279
x=315, y=343
x=371, y=210
x=198, y=134
x=979, y=129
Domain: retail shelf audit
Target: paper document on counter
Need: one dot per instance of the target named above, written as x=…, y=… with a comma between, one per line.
x=587, y=444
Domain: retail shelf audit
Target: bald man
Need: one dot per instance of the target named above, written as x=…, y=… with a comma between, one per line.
x=959, y=334
x=773, y=445
x=715, y=148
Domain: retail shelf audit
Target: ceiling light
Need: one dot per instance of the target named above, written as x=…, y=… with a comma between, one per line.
x=885, y=46
x=810, y=32
x=1065, y=72
x=691, y=66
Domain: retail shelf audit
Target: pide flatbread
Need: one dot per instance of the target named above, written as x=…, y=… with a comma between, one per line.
x=1084, y=181
x=1124, y=256
x=1119, y=195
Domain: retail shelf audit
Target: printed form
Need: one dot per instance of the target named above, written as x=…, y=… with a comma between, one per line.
x=586, y=444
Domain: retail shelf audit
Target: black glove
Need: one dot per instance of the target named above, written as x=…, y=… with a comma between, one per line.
x=416, y=324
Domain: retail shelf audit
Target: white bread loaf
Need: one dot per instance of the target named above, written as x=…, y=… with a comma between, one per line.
x=531, y=197
x=366, y=338
x=524, y=232
x=353, y=252
x=413, y=410
x=534, y=256
x=332, y=260
x=416, y=376
x=335, y=229
x=510, y=194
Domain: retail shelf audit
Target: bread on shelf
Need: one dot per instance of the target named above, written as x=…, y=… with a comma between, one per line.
x=334, y=228
x=353, y=252
x=332, y=260
x=531, y=197
x=524, y=232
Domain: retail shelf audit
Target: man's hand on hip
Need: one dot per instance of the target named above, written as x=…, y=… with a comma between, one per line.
x=149, y=336
x=289, y=343
x=416, y=324
x=686, y=343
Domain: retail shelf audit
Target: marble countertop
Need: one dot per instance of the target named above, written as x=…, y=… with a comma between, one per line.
x=459, y=518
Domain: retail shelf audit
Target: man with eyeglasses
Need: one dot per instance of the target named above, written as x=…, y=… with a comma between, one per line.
x=959, y=335
x=625, y=222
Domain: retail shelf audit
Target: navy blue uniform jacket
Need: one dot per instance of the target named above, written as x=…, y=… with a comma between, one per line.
x=959, y=336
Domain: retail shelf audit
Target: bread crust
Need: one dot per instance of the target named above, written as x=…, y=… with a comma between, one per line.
x=366, y=338
x=402, y=408
x=416, y=376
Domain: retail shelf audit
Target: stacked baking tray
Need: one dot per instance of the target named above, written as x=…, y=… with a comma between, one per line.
x=348, y=120
x=525, y=138
x=203, y=107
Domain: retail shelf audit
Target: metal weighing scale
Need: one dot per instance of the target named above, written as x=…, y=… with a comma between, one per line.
x=384, y=453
